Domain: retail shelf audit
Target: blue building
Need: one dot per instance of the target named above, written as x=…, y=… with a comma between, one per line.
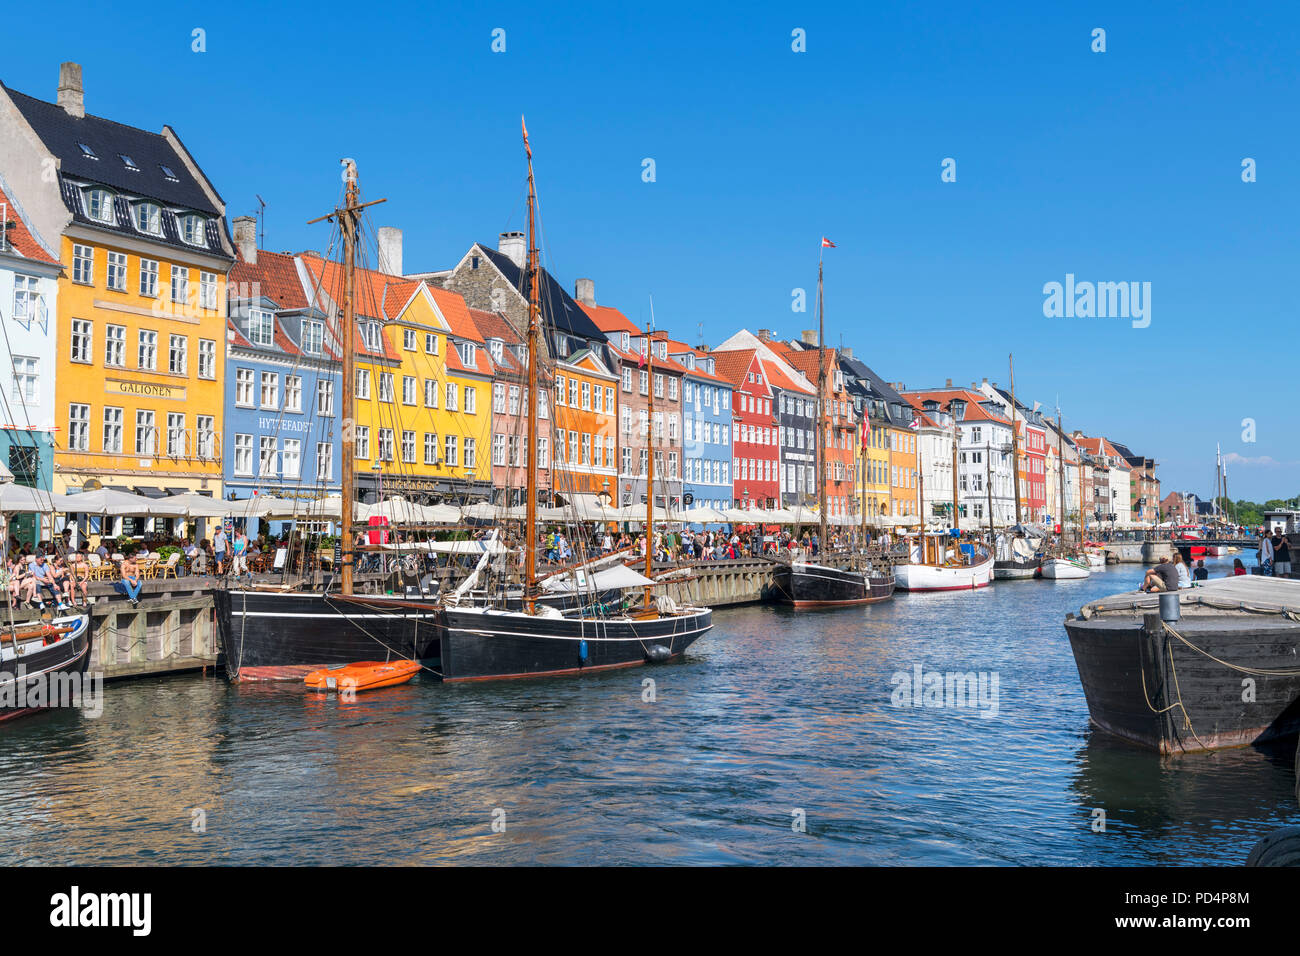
x=282, y=433
x=706, y=430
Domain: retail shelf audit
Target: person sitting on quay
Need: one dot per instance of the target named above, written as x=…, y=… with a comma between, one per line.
x=1200, y=574
x=130, y=583
x=1237, y=567
x=1281, y=556
x=1162, y=577
x=43, y=579
x=1184, y=573
x=78, y=570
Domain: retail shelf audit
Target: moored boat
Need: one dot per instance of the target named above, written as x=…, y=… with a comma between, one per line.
x=810, y=585
x=1223, y=674
x=52, y=653
x=362, y=675
x=1065, y=568
x=933, y=568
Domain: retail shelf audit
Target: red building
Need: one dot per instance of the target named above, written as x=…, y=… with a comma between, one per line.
x=1033, y=471
x=755, y=447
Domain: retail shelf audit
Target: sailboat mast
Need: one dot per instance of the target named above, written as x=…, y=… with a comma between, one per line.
x=956, y=510
x=531, y=397
x=1015, y=437
x=650, y=458
x=821, y=407
x=1079, y=448
x=1060, y=463
x=920, y=490
x=348, y=225
x=988, y=482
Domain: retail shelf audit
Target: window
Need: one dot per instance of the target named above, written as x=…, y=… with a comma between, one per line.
x=116, y=276
x=167, y=171
x=372, y=335
x=243, y=454
x=207, y=435
x=144, y=432
x=543, y=450
x=207, y=290
x=324, y=461
x=498, y=450
x=149, y=277
x=498, y=398
x=148, y=218
x=266, y=455
x=244, y=387
x=192, y=229
x=627, y=378
x=586, y=396
x=430, y=448
x=496, y=346
x=180, y=284
x=385, y=444
x=291, y=458
x=363, y=383
x=452, y=394
x=270, y=390
x=99, y=205
x=385, y=386
x=513, y=406
x=175, y=435
x=261, y=327
x=113, y=430
x=87, y=151
x=408, y=390
x=451, y=455
x=430, y=343
x=207, y=358
x=324, y=397
x=672, y=389
x=609, y=400
x=177, y=355
x=26, y=378
x=430, y=393
x=29, y=304
x=645, y=383
x=313, y=338
x=471, y=403
x=408, y=339
x=81, y=340
x=78, y=427
x=573, y=393
x=471, y=446
x=408, y=447
x=467, y=354
x=128, y=162
x=362, y=441
x=83, y=264
x=293, y=393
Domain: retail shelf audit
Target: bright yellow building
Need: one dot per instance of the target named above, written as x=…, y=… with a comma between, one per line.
x=141, y=327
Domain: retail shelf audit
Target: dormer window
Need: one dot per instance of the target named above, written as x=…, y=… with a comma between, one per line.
x=372, y=336
x=167, y=171
x=192, y=229
x=521, y=352
x=99, y=205
x=497, y=347
x=87, y=152
x=261, y=327
x=128, y=162
x=662, y=352
x=467, y=354
x=148, y=218
x=626, y=342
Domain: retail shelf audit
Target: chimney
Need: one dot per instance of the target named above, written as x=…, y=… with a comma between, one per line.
x=390, y=250
x=986, y=381
x=948, y=384
x=584, y=290
x=808, y=337
x=246, y=238
x=72, y=98
x=512, y=244
x=766, y=335
x=846, y=351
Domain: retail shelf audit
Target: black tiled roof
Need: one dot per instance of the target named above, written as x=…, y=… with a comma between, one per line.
x=62, y=135
x=559, y=310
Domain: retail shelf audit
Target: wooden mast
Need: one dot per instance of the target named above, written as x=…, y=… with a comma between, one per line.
x=1015, y=437
x=1079, y=449
x=988, y=482
x=956, y=510
x=1060, y=463
x=348, y=216
x=920, y=487
x=532, y=395
x=822, y=417
x=650, y=458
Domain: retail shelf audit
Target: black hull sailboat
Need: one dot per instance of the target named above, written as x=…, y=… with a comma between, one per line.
x=285, y=635
x=55, y=654
x=482, y=643
x=1181, y=686
x=807, y=585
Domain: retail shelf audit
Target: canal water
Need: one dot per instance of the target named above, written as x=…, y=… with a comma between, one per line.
x=781, y=738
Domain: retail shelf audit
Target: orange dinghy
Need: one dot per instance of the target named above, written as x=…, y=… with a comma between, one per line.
x=363, y=675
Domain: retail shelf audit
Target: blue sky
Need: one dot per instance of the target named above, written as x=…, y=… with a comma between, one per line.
x=1115, y=166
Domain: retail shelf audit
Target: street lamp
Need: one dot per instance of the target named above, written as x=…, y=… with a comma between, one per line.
x=604, y=497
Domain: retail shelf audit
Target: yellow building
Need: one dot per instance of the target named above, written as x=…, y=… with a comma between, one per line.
x=423, y=391
x=140, y=322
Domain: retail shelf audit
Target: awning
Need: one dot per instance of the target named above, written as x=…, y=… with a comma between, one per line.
x=149, y=491
x=186, y=491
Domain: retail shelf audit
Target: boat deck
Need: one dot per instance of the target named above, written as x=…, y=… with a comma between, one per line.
x=1240, y=593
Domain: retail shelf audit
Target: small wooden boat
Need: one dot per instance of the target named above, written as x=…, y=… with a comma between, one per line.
x=1065, y=567
x=362, y=675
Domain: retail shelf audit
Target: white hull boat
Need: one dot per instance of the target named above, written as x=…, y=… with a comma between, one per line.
x=1065, y=569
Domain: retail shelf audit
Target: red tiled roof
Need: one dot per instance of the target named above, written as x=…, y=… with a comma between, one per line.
x=776, y=376
x=609, y=319
x=734, y=366
x=456, y=311
x=20, y=237
x=494, y=325
x=275, y=275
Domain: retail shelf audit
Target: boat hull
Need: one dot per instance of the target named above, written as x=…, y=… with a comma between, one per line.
x=1062, y=569
x=928, y=577
x=1151, y=689
x=50, y=663
x=1014, y=570
x=271, y=635
x=489, y=644
x=807, y=585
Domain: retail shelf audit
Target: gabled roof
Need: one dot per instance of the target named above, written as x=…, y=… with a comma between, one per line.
x=494, y=325
x=734, y=366
x=777, y=377
x=276, y=276
x=19, y=239
x=559, y=310
x=63, y=135
x=609, y=319
x=975, y=412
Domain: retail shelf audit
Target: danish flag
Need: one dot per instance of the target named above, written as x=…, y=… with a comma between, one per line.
x=827, y=244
